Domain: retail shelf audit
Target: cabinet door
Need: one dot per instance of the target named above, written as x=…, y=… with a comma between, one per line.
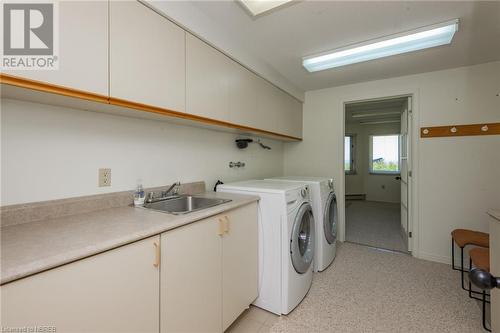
x=147, y=57
x=243, y=89
x=239, y=262
x=83, y=48
x=207, y=80
x=191, y=295
x=290, y=116
x=268, y=105
x=116, y=291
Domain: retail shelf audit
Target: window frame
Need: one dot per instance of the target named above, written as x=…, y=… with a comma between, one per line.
x=352, y=171
x=370, y=156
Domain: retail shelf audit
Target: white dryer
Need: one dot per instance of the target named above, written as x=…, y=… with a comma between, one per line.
x=324, y=203
x=286, y=242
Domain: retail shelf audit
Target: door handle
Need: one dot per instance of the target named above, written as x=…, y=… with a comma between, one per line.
x=157, y=255
x=222, y=227
x=397, y=177
x=226, y=224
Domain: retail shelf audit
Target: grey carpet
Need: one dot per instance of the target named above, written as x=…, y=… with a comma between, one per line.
x=368, y=290
x=376, y=224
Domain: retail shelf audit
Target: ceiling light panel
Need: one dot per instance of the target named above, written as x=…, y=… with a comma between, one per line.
x=257, y=7
x=375, y=114
x=423, y=38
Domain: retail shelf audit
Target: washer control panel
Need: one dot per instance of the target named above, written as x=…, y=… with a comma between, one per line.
x=297, y=195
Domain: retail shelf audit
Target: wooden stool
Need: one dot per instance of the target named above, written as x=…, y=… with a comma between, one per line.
x=464, y=237
x=480, y=258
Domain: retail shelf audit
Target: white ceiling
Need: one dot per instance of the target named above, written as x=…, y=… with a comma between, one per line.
x=281, y=38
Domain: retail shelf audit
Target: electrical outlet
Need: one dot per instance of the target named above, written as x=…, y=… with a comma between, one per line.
x=104, y=177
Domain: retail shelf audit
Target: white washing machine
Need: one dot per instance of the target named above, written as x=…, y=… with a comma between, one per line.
x=324, y=203
x=286, y=241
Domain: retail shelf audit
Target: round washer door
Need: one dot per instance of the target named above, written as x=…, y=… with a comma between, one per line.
x=302, y=241
x=330, y=219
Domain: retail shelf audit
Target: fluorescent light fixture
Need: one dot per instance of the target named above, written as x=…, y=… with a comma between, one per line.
x=423, y=38
x=257, y=7
x=374, y=122
x=367, y=115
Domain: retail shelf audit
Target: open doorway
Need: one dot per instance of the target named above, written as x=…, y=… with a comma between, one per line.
x=376, y=150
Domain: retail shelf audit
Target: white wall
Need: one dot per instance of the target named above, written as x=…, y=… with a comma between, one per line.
x=455, y=179
x=379, y=187
x=51, y=152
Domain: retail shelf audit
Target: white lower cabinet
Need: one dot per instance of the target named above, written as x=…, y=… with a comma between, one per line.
x=209, y=272
x=240, y=260
x=191, y=278
x=116, y=291
x=196, y=278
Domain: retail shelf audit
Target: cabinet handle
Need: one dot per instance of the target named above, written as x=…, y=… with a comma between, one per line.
x=226, y=226
x=157, y=255
x=221, y=228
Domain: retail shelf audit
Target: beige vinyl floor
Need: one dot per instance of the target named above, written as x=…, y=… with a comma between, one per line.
x=375, y=224
x=369, y=290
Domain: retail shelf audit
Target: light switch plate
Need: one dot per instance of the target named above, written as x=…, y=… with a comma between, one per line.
x=104, y=177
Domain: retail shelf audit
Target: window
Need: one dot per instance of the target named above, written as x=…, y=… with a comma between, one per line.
x=384, y=154
x=349, y=154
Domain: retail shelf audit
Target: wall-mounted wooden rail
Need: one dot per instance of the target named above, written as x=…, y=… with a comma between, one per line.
x=44, y=87
x=460, y=130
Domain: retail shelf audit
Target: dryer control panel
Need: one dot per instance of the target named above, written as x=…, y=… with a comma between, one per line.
x=297, y=195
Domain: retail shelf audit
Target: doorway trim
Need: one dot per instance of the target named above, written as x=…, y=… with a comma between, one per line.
x=413, y=214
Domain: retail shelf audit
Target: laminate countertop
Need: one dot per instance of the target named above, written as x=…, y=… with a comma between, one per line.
x=34, y=247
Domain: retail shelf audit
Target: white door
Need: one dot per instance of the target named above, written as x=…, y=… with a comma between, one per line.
x=404, y=154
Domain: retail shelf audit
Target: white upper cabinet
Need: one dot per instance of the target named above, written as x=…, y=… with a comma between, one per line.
x=147, y=57
x=83, y=48
x=282, y=112
x=127, y=51
x=290, y=116
x=268, y=106
x=207, y=80
x=243, y=95
x=219, y=88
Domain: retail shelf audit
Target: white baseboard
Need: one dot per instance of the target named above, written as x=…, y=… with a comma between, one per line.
x=445, y=259
x=435, y=258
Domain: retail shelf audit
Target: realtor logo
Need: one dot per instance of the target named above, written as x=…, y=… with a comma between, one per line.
x=29, y=36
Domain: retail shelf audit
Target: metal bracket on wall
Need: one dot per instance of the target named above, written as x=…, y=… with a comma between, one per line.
x=236, y=164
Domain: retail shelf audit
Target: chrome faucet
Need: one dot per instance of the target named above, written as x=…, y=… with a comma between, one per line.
x=163, y=195
x=174, y=188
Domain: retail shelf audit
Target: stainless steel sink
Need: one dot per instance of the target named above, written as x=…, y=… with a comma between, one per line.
x=184, y=204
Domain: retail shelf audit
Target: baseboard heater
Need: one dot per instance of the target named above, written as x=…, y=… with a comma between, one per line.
x=355, y=196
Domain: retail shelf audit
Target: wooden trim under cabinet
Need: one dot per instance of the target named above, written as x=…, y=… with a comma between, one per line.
x=51, y=88
x=83, y=95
